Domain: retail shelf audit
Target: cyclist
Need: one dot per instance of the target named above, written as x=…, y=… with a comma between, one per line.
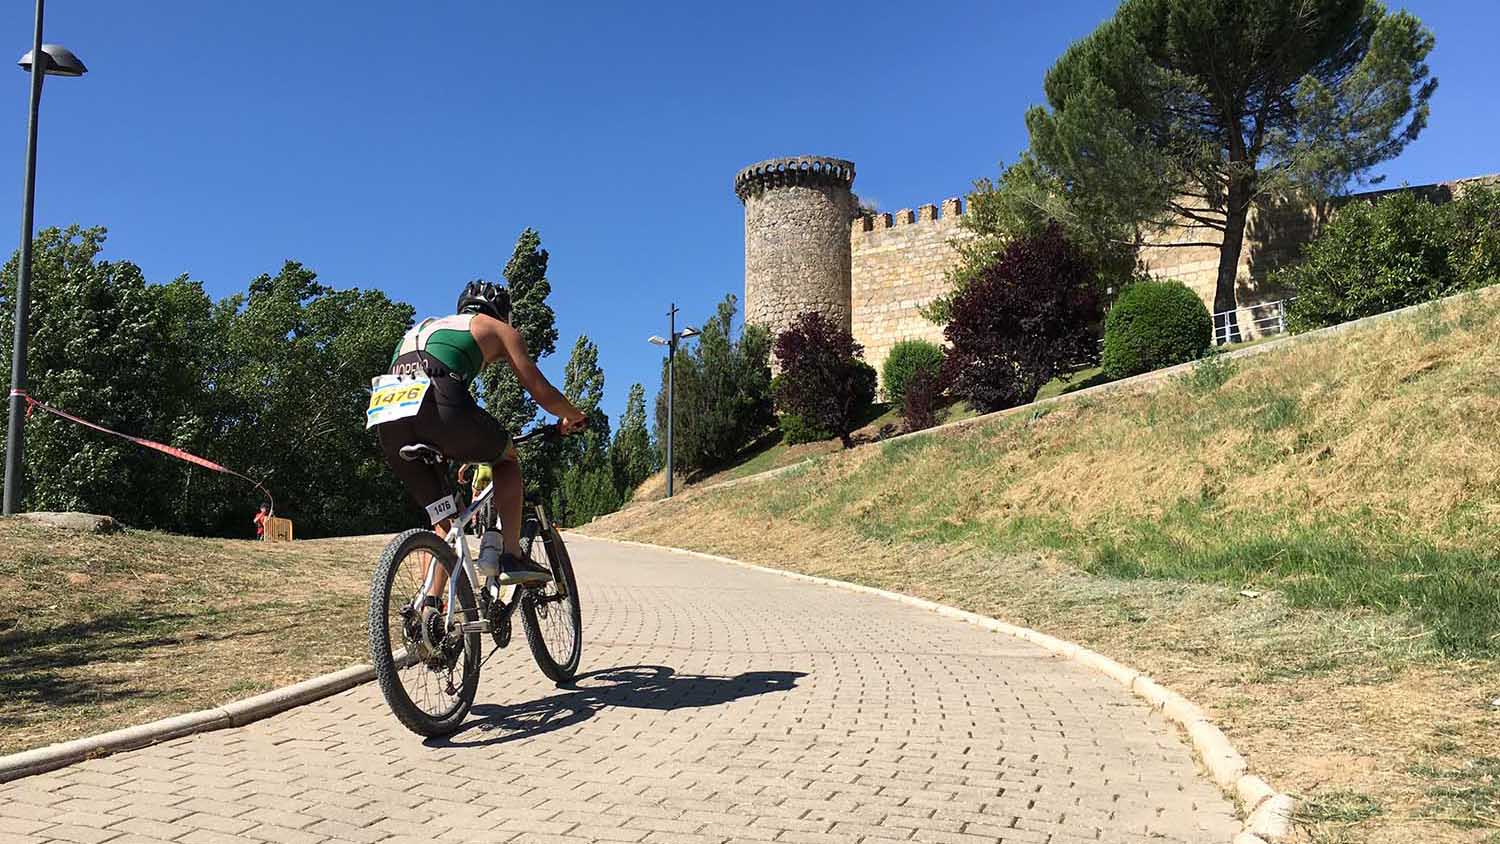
x=450, y=351
x=483, y=477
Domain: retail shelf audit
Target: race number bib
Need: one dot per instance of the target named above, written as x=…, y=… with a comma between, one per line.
x=395, y=397
x=442, y=509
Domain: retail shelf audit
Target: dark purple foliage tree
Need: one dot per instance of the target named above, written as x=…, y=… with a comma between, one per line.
x=1024, y=319
x=919, y=400
x=824, y=379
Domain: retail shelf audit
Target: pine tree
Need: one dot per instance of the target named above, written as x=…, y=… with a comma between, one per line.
x=1185, y=113
x=526, y=275
x=587, y=488
x=632, y=453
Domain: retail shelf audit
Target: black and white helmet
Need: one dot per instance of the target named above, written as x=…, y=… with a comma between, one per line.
x=483, y=297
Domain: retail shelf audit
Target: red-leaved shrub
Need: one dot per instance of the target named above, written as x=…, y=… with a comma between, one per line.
x=824, y=380
x=1021, y=321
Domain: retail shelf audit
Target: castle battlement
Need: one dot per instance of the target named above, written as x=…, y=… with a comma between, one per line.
x=953, y=209
x=793, y=170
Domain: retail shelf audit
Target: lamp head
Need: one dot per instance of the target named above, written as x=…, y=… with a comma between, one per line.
x=658, y=341
x=688, y=331
x=60, y=61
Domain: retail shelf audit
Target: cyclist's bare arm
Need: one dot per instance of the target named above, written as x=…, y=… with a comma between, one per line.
x=499, y=341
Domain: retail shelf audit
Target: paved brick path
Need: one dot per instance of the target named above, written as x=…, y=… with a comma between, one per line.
x=723, y=705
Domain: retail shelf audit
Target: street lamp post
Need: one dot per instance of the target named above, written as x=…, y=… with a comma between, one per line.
x=671, y=344
x=43, y=60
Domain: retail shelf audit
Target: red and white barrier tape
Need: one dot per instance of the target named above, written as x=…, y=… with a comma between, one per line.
x=173, y=451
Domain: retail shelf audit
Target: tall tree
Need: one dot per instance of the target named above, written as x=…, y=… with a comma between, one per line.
x=632, y=453
x=272, y=383
x=292, y=388
x=526, y=276
x=110, y=347
x=587, y=489
x=722, y=392
x=1184, y=113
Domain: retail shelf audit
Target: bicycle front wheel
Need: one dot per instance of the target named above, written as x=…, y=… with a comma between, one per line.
x=428, y=675
x=551, y=613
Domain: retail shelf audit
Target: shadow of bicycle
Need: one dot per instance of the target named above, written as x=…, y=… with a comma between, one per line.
x=634, y=687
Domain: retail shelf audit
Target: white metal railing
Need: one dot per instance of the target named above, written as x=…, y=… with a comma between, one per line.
x=1265, y=319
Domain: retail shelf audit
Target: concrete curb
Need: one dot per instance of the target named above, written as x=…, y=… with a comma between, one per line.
x=236, y=714
x=1267, y=813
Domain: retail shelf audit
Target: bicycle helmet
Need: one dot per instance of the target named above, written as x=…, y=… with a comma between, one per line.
x=485, y=298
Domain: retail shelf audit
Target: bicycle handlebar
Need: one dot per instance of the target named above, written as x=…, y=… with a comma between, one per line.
x=542, y=432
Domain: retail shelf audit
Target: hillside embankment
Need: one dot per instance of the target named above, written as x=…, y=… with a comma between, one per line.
x=101, y=632
x=1303, y=542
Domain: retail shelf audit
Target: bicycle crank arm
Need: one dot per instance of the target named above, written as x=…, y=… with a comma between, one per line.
x=468, y=627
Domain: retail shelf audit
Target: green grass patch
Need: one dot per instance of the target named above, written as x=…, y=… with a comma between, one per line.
x=1340, y=806
x=1467, y=795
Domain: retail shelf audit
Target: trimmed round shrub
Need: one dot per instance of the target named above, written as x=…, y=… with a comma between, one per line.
x=796, y=431
x=1154, y=324
x=905, y=360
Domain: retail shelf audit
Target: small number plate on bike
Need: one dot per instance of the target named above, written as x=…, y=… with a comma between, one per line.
x=395, y=397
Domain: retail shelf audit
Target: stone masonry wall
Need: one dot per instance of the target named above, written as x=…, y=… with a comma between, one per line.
x=899, y=265
x=1273, y=238
x=797, y=254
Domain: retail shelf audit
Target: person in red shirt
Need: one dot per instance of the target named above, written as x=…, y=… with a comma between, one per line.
x=260, y=521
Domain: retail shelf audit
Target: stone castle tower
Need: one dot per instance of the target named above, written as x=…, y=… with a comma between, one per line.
x=797, y=248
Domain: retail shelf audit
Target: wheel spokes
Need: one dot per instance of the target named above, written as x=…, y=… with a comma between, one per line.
x=554, y=611
x=431, y=681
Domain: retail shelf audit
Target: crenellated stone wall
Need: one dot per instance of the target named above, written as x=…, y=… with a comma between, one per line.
x=802, y=253
x=899, y=264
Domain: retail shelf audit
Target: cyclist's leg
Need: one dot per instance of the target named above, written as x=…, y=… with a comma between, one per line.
x=508, y=497
x=473, y=435
x=426, y=484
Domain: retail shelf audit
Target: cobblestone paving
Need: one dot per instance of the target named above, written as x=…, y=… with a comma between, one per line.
x=720, y=704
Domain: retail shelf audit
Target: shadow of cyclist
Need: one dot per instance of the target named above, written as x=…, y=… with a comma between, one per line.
x=635, y=687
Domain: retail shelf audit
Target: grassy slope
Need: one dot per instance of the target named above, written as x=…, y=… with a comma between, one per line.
x=1305, y=542
x=104, y=632
x=772, y=453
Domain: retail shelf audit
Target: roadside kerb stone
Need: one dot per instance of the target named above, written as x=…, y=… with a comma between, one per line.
x=42, y=759
x=1267, y=813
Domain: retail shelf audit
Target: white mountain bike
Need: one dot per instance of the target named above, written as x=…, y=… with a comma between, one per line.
x=426, y=652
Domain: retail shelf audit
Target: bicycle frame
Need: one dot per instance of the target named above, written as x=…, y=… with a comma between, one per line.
x=458, y=538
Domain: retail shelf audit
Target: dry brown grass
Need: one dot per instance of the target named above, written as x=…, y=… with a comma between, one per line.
x=1360, y=685
x=104, y=632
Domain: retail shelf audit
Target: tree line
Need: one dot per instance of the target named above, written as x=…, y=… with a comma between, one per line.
x=271, y=382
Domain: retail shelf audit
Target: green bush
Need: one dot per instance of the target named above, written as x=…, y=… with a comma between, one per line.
x=795, y=430
x=1397, y=251
x=1154, y=324
x=904, y=360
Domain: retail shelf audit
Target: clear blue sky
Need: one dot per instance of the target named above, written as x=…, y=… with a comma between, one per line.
x=403, y=146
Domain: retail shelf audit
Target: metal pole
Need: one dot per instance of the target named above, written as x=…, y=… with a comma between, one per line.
x=16, y=430
x=671, y=360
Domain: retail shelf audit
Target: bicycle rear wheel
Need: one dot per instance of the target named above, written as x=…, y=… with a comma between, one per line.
x=551, y=613
x=428, y=680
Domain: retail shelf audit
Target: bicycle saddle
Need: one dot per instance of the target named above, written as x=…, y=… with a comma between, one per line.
x=424, y=453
